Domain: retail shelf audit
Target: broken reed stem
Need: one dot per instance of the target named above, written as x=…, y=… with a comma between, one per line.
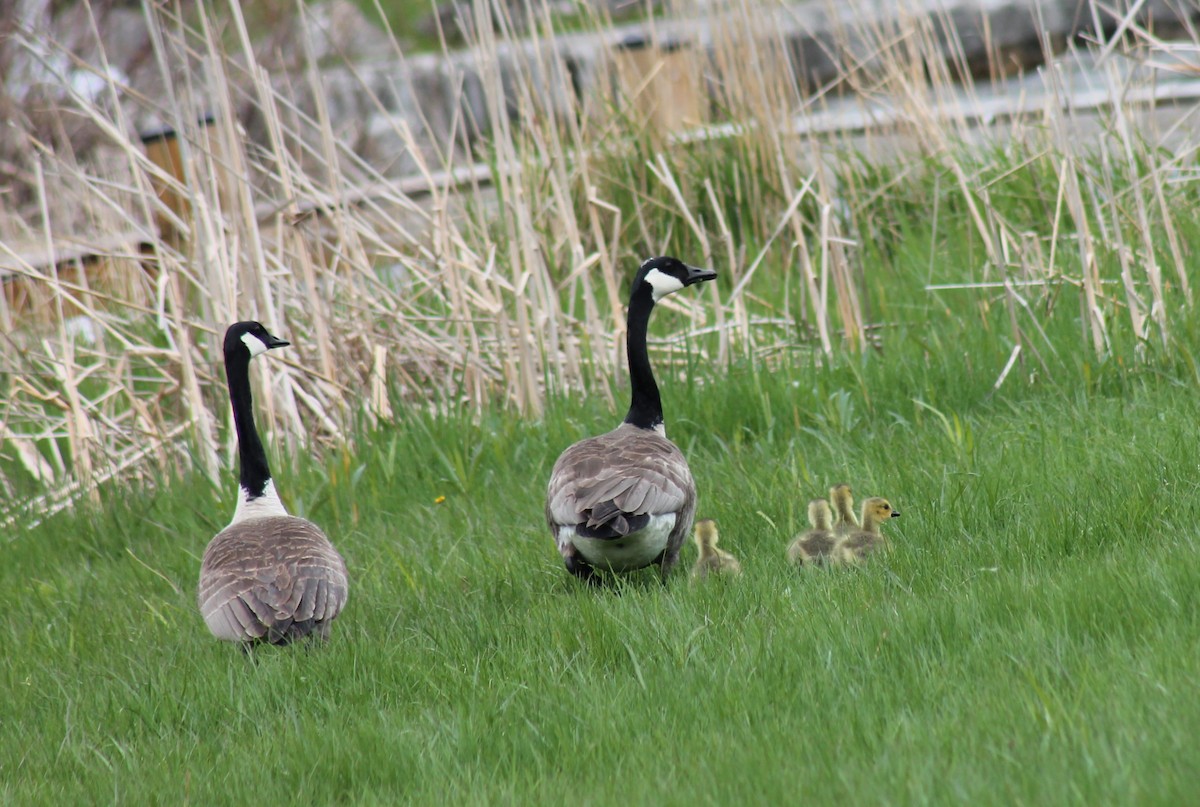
x=1158, y=311
x=79, y=431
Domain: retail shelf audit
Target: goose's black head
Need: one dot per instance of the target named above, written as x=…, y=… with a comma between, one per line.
x=666, y=275
x=248, y=339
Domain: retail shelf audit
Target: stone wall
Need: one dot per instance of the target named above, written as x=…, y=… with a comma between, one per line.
x=820, y=38
x=443, y=100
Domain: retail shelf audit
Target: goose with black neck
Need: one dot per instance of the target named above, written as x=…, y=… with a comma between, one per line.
x=268, y=576
x=626, y=499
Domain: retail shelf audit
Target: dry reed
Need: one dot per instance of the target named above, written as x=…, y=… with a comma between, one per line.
x=476, y=282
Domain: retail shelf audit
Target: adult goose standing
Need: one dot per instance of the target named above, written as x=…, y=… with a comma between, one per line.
x=625, y=499
x=268, y=576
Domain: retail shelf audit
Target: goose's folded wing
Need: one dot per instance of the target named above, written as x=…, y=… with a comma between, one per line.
x=595, y=481
x=277, y=570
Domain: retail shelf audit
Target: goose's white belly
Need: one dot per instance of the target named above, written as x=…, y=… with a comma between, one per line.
x=624, y=554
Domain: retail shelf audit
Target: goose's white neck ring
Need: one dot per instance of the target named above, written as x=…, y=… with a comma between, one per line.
x=251, y=506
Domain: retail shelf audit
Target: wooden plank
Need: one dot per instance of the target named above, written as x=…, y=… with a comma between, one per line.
x=409, y=187
x=17, y=258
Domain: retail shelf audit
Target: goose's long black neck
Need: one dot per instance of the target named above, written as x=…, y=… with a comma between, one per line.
x=645, y=410
x=254, y=474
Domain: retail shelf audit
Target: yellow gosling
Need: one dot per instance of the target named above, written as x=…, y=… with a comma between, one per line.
x=712, y=560
x=815, y=546
x=842, y=500
x=855, y=546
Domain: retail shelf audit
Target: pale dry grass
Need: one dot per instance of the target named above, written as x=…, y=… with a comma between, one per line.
x=427, y=290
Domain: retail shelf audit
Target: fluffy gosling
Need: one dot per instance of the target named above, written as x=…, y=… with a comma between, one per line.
x=815, y=546
x=842, y=500
x=855, y=546
x=712, y=560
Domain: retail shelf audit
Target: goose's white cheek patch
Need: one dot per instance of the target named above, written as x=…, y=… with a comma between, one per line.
x=254, y=344
x=662, y=283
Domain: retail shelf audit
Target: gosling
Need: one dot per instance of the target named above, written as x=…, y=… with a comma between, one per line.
x=815, y=546
x=712, y=560
x=854, y=547
x=842, y=500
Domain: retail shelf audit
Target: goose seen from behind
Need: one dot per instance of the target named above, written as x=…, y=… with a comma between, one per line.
x=625, y=499
x=268, y=576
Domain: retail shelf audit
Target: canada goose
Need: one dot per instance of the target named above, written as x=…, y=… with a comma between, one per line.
x=268, y=576
x=712, y=560
x=816, y=545
x=625, y=499
x=855, y=546
x=842, y=500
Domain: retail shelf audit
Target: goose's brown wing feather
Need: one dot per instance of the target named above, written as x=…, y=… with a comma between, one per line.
x=277, y=578
x=628, y=471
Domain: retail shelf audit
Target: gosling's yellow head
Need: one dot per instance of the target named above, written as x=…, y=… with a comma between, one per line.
x=706, y=534
x=819, y=515
x=841, y=497
x=877, y=510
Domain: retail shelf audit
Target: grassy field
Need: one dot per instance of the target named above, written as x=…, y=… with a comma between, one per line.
x=1033, y=637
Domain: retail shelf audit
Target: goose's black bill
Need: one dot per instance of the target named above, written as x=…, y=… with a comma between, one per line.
x=698, y=275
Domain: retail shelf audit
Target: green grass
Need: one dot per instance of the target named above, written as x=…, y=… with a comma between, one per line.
x=1033, y=638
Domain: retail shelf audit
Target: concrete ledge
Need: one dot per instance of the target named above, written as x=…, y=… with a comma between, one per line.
x=443, y=100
